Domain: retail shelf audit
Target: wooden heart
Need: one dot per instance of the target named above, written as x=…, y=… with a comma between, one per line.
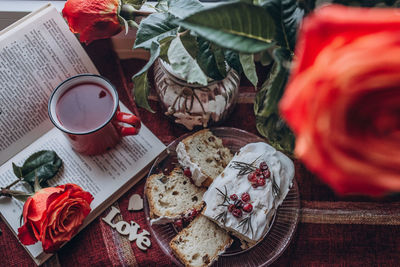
x=135, y=202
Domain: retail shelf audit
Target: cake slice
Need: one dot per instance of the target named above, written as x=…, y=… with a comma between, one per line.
x=200, y=243
x=170, y=196
x=245, y=196
x=204, y=155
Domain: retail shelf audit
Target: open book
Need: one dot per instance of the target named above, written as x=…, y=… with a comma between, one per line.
x=36, y=54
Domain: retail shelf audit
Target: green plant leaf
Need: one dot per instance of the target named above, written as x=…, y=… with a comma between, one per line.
x=268, y=121
x=249, y=67
x=164, y=46
x=184, y=65
x=190, y=44
x=42, y=165
x=232, y=58
x=140, y=80
x=207, y=60
x=155, y=28
x=287, y=16
x=141, y=91
x=184, y=8
x=238, y=26
x=219, y=59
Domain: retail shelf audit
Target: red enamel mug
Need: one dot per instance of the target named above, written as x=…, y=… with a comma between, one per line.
x=86, y=108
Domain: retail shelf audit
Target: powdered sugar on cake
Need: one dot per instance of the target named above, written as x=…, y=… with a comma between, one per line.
x=249, y=219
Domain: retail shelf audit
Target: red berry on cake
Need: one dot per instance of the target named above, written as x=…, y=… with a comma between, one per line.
x=248, y=207
x=263, y=166
x=252, y=177
x=187, y=172
x=245, y=197
x=179, y=224
x=234, y=197
x=260, y=181
x=266, y=174
x=237, y=213
x=231, y=207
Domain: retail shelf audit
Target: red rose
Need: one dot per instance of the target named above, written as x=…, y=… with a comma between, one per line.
x=343, y=98
x=53, y=215
x=92, y=19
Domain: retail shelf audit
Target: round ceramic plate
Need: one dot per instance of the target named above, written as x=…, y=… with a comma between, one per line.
x=275, y=240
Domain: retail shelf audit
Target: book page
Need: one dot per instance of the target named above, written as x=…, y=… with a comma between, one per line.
x=101, y=175
x=36, y=54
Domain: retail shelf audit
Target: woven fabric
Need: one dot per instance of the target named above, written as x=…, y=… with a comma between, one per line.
x=322, y=238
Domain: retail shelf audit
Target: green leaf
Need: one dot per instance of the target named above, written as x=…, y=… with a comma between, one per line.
x=232, y=58
x=140, y=80
x=42, y=165
x=277, y=132
x=207, y=60
x=184, y=65
x=238, y=26
x=183, y=8
x=219, y=59
x=249, y=67
x=190, y=44
x=155, y=28
x=141, y=91
x=164, y=46
x=268, y=121
x=287, y=16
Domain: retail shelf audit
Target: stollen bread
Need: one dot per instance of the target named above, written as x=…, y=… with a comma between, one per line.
x=245, y=196
x=200, y=243
x=170, y=196
x=204, y=155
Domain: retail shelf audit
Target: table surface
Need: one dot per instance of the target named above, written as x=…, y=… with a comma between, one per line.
x=333, y=230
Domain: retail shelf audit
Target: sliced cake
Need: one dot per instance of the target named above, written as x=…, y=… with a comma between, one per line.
x=171, y=196
x=245, y=196
x=200, y=243
x=203, y=156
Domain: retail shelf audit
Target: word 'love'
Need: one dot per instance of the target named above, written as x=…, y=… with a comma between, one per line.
x=142, y=241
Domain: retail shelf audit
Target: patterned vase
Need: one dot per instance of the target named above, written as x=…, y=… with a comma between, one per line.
x=195, y=105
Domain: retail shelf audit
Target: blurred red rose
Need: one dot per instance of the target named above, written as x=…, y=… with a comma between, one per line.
x=343, y=98
x=53, y=215
x=92, y=19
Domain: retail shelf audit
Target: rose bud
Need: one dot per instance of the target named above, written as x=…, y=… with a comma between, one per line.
x=53, y=215
x=343, y=98
x=92, y=19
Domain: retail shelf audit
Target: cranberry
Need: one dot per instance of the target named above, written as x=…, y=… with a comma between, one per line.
x=237, y=213
x=252, y=177
x=248, y=207
x=245, y=197
x=231, y=207
x=266, y=174
x=187, y=172
x=179, y=224
x=194, y=213
x=254, y=185
x=260, y=182
x=263, y=166
x=239, y=204
x=234, y=197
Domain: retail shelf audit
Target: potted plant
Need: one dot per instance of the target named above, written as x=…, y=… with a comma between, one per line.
x=198, y=45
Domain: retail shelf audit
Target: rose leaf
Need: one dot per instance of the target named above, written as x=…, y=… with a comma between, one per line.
x=42, y=165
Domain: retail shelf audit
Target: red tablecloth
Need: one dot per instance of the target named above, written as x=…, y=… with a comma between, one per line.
x=334, y=231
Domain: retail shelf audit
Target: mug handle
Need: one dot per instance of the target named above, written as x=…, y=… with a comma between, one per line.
x=129, y=119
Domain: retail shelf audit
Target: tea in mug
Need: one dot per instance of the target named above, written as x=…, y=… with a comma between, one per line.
x=84, y=107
